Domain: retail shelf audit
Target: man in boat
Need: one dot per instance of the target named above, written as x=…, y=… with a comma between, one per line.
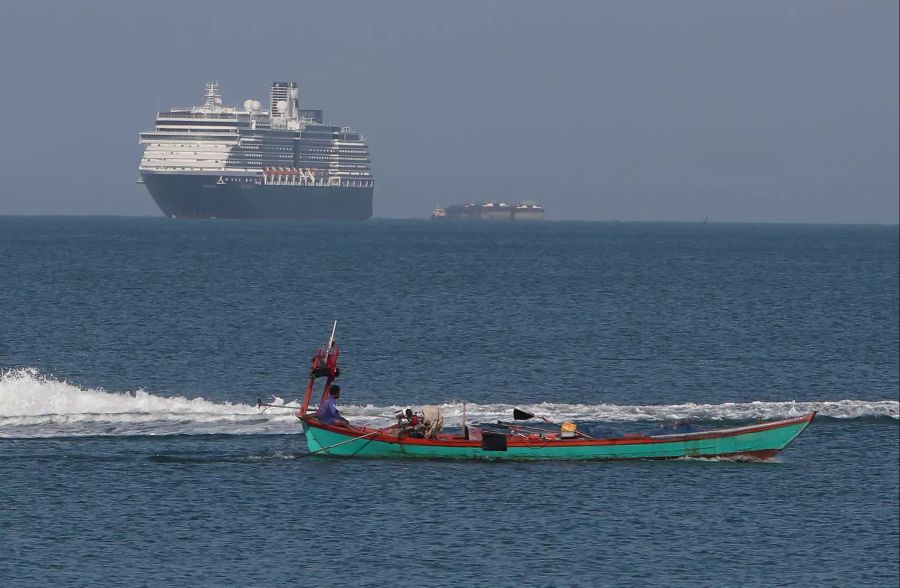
x=328, y=413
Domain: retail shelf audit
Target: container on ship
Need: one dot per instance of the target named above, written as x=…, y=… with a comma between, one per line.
x=215, y=161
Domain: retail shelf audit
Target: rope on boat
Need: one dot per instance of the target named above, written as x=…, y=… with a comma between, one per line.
x=321, y=449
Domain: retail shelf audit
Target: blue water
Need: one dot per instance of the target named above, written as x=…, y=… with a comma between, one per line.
x=132, y=352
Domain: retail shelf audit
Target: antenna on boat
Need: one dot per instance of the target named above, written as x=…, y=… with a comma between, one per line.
x=331, y=339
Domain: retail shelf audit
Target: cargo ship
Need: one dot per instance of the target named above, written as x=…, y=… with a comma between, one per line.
x=491, y=211
x=215, y=161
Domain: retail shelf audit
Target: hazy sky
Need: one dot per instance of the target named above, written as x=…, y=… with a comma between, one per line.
x=631, y=110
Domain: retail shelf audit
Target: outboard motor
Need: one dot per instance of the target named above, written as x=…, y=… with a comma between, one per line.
x=410, y=423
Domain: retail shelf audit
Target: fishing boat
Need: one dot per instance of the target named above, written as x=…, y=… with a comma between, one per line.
x=422, y=436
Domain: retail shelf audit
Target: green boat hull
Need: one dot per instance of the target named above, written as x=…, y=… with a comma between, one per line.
x=759, y=441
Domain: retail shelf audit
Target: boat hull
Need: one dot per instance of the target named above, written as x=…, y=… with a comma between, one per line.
x=759, y=441
x=202, y=196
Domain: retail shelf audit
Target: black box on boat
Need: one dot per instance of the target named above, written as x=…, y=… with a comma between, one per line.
x=493, y=441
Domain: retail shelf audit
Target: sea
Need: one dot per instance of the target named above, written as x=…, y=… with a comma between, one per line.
x=133, y=352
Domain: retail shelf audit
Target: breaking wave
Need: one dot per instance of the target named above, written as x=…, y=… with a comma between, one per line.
x=35, y=406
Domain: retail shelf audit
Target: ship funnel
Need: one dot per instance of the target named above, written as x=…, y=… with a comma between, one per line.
x=212, y=97
x=294, y=103
x=285, y=99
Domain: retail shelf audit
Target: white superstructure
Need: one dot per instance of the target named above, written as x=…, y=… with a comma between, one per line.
x=285, y=145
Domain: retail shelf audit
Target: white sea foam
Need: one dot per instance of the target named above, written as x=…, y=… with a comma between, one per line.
x=33, y=405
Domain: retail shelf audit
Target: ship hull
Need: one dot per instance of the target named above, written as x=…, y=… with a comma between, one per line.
x=203, y=196
x=759, y=441
x=490, y=212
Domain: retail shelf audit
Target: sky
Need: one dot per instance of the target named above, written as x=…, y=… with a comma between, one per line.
x=653, y=110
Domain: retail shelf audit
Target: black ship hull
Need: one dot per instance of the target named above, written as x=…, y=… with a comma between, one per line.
x=201, y=196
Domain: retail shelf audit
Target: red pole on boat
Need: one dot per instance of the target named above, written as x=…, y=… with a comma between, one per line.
x=324, y=358
x=331, y=357
x=307, y=395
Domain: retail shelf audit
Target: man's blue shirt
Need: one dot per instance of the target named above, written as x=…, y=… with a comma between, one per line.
x=328, y=412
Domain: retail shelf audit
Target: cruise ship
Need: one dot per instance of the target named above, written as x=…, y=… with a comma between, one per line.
x=215, y=161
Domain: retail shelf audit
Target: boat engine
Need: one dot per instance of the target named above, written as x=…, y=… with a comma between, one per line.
x=410, y=423
x=426, y=424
